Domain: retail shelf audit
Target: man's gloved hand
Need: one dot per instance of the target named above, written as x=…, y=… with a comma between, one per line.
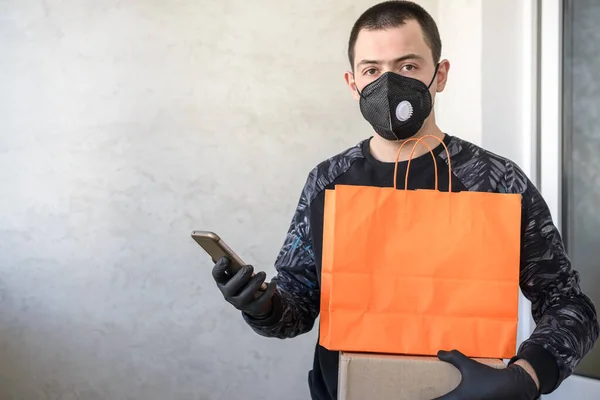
x=242, y=290
x=481, y=382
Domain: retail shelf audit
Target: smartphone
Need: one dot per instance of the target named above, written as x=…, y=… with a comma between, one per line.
x=217, y=249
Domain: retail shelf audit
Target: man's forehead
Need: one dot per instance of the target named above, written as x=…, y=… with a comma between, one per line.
x=391, y=43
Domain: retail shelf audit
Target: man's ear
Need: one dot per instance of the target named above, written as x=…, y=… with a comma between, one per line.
x=442, y=75
x=349, y=78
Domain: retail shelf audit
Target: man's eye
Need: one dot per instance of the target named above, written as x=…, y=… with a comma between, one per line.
x=370, y=71
x=409, y=68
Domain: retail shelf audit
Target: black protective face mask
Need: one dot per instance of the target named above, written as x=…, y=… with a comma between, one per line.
x=395, y=105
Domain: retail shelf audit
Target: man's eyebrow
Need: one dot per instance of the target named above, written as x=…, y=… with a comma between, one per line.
x=406, y=57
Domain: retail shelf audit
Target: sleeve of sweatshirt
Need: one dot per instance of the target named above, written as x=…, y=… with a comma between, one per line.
x=566, y=320
x=296, y=299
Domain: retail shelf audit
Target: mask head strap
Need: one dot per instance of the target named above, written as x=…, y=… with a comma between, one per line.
x=437, y=67
x=358, y=91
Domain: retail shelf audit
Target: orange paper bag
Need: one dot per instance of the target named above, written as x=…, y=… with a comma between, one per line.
x=417, y=271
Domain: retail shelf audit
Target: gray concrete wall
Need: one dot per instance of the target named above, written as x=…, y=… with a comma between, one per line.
x=124, y=125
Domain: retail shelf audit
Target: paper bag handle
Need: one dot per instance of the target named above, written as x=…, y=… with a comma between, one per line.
x=420, y=140
x=398, y=160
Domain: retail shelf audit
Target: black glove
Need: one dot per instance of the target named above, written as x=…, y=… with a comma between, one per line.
x=242, y=290
x=482, y=382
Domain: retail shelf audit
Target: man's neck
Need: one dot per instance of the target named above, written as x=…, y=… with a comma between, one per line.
x=387, y=151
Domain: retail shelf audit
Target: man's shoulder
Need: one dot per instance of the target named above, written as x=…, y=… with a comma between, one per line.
x=483, y=170
x=340, y=162
x=330, y=169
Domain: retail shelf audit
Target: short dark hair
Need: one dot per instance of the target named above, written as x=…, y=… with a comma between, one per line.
x=392, y=14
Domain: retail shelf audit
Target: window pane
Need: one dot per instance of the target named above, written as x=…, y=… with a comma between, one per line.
x=581, y=182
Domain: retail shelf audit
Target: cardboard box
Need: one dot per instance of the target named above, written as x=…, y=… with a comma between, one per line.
x=390, y=377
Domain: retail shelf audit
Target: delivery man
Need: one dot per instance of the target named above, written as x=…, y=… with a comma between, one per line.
x=394, y=52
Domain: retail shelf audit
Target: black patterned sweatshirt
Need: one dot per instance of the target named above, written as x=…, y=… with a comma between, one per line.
x=566, y=321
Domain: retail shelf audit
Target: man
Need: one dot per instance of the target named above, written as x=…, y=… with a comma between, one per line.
x=394, y=52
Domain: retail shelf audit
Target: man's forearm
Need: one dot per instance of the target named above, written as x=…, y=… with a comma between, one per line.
x=563, y=336
x=566, y=320
x=288, y=318
x=529, y=369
